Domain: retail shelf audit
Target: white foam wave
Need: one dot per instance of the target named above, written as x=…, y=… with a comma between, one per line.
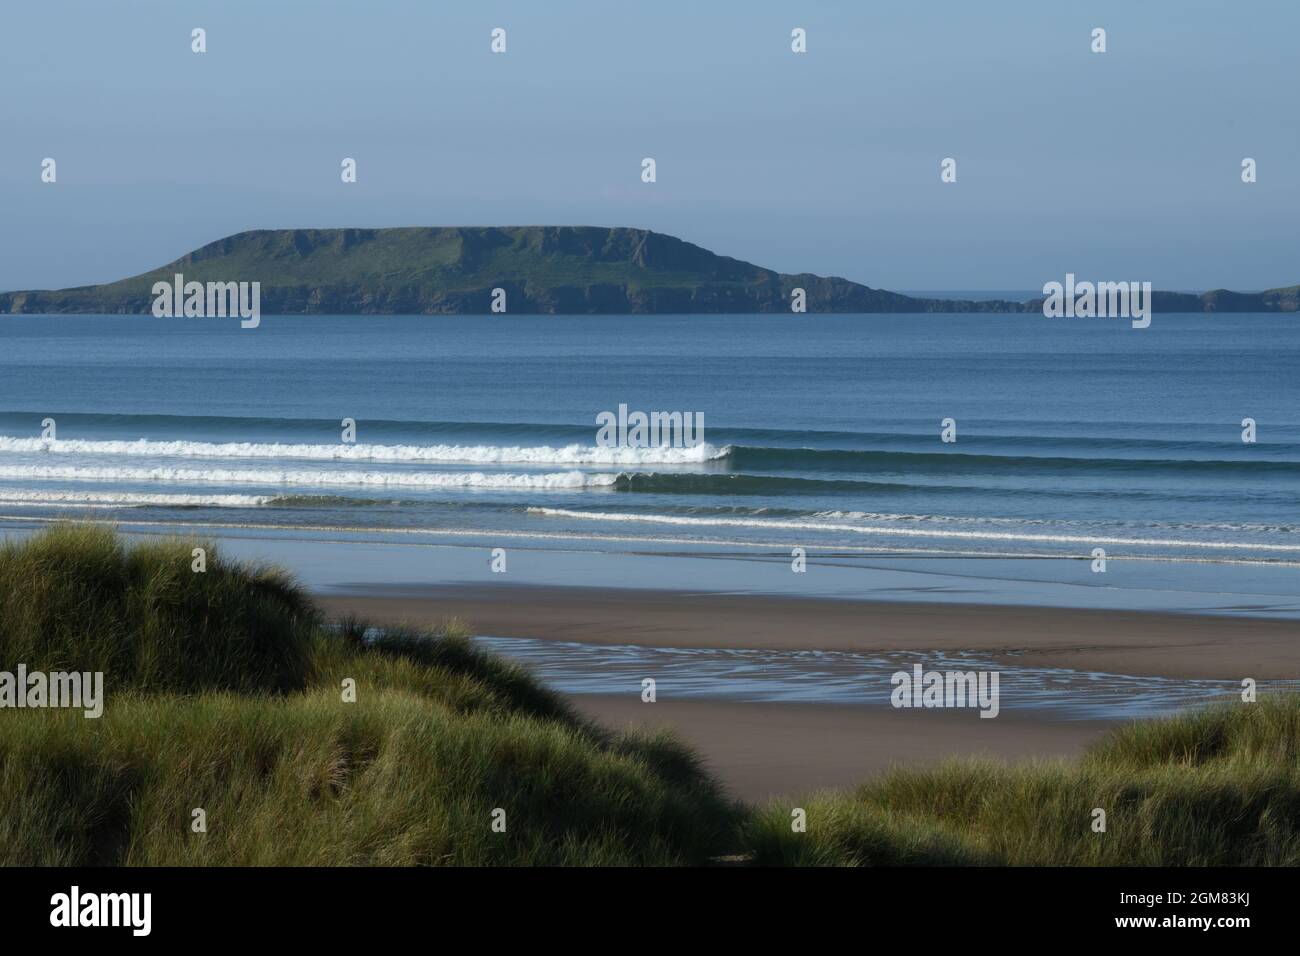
x=458, y=454
x=346, y=533
x=110, y=499
x=798, y=525
x=314, y=478
x=1195, y=526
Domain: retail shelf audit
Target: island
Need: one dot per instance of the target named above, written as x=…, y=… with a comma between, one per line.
x=558, y=270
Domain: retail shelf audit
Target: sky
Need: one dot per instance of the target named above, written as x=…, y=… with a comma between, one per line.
x=1119, y=165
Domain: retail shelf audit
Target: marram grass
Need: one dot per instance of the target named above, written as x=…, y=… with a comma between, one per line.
x=395, y=779
x=224, y=693
x=1218, y=787
x=76, y=598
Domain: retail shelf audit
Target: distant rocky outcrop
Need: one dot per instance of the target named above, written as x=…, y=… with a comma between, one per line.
x=543, y=269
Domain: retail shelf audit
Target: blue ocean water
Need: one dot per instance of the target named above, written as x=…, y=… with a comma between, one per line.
x=820, y=432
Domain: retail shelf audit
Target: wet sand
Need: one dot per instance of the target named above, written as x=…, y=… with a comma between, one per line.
x=762, y=750
x=1115, y=642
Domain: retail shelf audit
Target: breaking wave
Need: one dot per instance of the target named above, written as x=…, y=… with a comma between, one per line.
x=574, y=454
x=566, y=480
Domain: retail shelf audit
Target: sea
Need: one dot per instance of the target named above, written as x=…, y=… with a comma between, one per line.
x=1090, y=464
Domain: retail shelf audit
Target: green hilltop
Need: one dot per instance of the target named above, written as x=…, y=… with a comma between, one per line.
x=453, y=269
x=543, y=269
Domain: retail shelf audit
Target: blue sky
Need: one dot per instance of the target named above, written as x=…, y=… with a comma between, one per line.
x=1124, y=165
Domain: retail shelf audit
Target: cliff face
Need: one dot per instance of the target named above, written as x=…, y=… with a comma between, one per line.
x=544, y=269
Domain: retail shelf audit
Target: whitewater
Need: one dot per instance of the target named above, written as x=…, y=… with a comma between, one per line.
x=573, y=454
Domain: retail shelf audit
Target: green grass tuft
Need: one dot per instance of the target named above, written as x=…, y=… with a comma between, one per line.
x=75, y=598
x=1216, y=787
x=439, y=737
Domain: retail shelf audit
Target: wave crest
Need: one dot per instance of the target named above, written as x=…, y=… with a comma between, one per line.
x=574, y=454
x=566, y=480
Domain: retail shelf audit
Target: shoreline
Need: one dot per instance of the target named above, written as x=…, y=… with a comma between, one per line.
x=1138, y=643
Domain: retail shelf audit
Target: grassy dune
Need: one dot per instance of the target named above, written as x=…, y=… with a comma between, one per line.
x=1217, y=787
x=224, y=692
x=439, y=737
x=76, y=598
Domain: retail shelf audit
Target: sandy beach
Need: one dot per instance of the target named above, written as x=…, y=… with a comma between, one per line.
x=1115, y=642
x=762, y=750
